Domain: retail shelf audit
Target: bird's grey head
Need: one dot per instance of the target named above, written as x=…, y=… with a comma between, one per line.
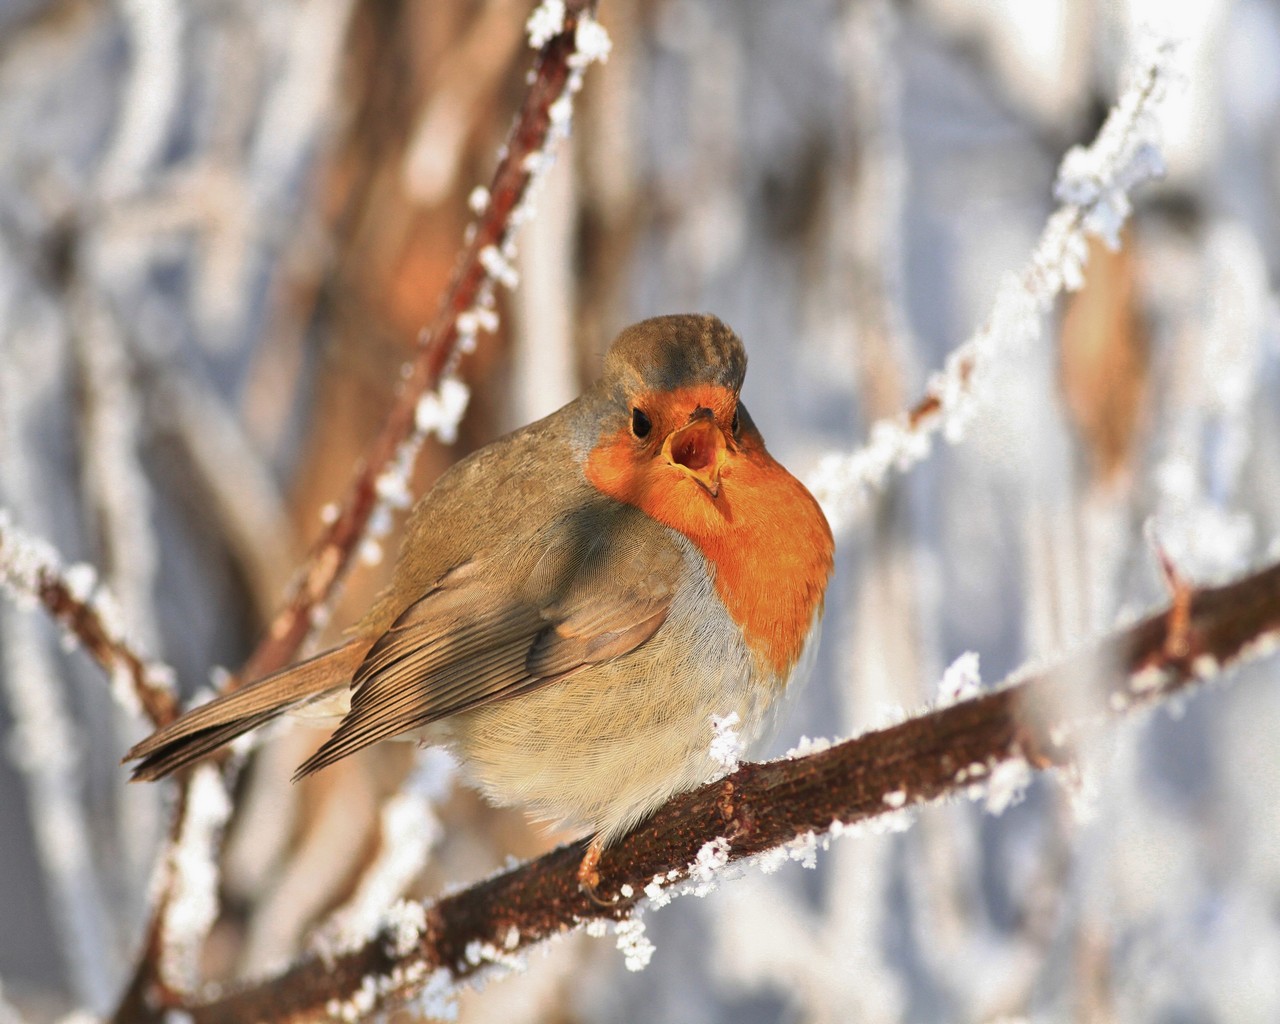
x=668, y=352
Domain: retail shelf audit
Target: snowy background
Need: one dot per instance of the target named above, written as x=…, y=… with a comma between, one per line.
x=222, y=225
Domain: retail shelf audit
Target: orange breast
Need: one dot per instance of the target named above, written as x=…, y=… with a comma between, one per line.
x=765, y=537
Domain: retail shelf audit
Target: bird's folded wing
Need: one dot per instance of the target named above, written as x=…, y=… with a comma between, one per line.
x=471, y=641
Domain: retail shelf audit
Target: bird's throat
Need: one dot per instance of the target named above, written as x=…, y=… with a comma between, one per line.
x=765, y=539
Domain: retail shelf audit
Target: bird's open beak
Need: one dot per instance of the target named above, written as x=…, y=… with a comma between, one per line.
x=699, y=449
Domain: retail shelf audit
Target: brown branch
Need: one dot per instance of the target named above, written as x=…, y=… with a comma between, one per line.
x=472, y=279
x=33, y=570
x=110, y=651
x=763, y=806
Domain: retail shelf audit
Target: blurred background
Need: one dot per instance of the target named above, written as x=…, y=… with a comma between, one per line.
x=222, y=225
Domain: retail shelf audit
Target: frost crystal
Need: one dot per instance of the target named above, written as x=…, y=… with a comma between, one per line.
x=804, y=850
x=440, y=411
x=81, y=579
x=808, y=746
x=370, y=552
x=545, y=23
x=712, y=856
x=478, y=953
x=591, y=41
x=960, y=681
x=496, y=263
x=193, y=900
x=726, y=744
x=405, y=921
x=1205, y=666
x=25, y=561
x=771, y=860
x=634, y=945
x=392, y=486
x=888, y=824
x=1098, y=179
x=1007, y=785
x=438, y=999
x=1147, y=679
x=561, y=114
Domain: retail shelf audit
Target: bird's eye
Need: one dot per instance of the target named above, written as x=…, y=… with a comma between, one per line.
x=736, y=421
x=640, y=425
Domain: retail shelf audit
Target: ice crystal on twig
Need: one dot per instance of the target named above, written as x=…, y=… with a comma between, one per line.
x=961, y=680
x=726, y=744
x=545, y=23
x=192, y=881
x=636, y=948
x=1007, y=785
x=33, y=573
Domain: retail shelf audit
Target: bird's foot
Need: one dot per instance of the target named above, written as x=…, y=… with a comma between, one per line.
x=724, y=802
x=589, y=874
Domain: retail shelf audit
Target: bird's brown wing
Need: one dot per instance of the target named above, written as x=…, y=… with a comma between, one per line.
x=206, y=728
x=596, y=591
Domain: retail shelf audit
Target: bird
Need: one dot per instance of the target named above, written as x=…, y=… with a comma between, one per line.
x=574, y=603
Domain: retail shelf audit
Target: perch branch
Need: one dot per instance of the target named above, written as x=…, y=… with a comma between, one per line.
x=1030, y=723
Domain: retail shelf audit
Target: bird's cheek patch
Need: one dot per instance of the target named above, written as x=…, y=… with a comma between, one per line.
x=615, y=468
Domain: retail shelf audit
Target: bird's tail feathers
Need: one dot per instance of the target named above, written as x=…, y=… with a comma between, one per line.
x=203, y=730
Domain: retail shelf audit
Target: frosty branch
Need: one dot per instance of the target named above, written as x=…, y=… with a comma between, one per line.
x=1029, y=723
x=465, y=308
x=1093, y=188
x=71, y=596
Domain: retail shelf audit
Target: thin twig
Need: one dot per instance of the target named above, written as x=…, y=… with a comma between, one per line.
x=31, y=568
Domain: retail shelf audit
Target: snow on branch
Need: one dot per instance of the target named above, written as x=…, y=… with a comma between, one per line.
x=191, y=887
x=1093, y=187
x=31, y=570
x=430, y=398
x=985, y=746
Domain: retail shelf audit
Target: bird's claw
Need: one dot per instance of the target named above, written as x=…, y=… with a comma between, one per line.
x=589, y=875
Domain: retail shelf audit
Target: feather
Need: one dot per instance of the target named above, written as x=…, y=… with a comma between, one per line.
x=204, y=729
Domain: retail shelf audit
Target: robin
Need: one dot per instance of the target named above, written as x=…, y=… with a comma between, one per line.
x=574, y=603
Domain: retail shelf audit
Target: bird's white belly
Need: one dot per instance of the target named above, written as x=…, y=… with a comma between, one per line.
x=600, y=749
